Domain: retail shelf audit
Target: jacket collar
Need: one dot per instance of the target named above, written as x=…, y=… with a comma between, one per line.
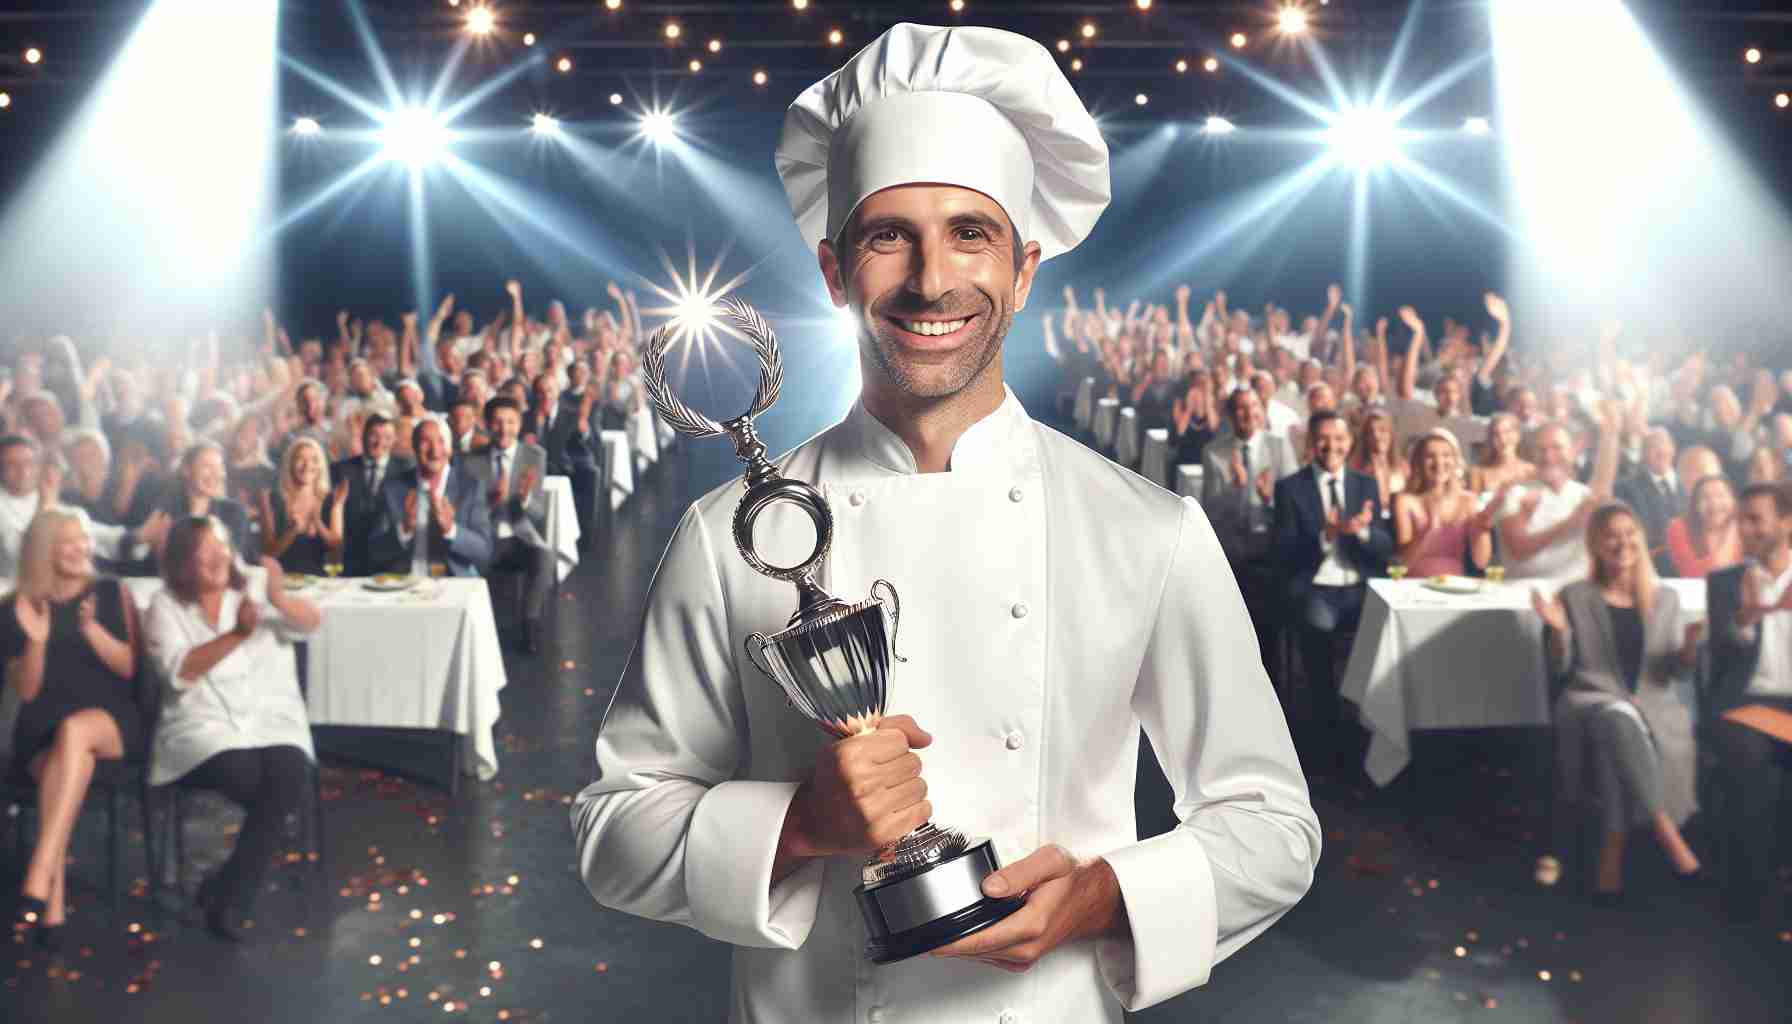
x=995, y=441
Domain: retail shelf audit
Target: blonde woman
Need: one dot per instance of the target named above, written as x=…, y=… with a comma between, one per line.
x=1438, y=530
x=1373, y=453
x=69, y=644
x=1501, y=466
x=1616, y=636
x=302, y=516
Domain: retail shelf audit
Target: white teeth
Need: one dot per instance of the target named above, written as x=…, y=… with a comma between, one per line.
x=932, y=329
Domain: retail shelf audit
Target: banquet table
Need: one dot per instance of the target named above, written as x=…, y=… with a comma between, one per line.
x=1107, y=416
x=1430, y=660
x=1188, y=479
x=621, y=465
x=423, y=658
x=563, y=525
x=1126, y=438
x=1154, y=460
x=1083, y=412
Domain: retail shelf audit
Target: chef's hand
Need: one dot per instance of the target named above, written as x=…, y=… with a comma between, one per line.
x=864, y=793
x=1066, y=901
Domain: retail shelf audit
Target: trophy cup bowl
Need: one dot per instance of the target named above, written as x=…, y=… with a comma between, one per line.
x=832, y=662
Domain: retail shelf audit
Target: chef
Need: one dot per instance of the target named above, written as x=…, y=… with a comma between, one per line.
x=1052, y=605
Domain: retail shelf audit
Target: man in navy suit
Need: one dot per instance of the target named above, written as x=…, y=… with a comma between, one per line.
x=1655, y=494
x=366, y=475
x=573, y=449
x=432, y=513
x=1749, y=641
x=1328, y=540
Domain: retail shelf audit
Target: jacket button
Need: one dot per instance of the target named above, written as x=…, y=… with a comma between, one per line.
x=1014, y=740
x=1019, y=610
x=857, y=498
x=1016, y=494
x=1008, y=1017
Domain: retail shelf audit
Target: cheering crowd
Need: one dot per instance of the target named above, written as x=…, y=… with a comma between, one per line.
x=1330, y=453
x=416, y=450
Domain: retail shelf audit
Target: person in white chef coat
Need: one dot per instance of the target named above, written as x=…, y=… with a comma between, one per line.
x=1052, y=604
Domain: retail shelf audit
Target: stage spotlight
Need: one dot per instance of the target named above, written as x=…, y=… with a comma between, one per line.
x=563, y=65
x=1088, y=30
x=1218, y=126
x=481, y=21
x=414, y=136
x=715, y=46
x=307, y=127
x=696, y=66
x=758, y=78
x=1210, y=65
x=1181, y=66
x=528, y=39
x=544, y=124
x=1752, y=55
x=674, y=30
x=659, y=127
x=1238, y=40
x=1477, y=126
x=1292, y=20
x=1140, y=100
x=1364, y=136
x=836, y=37
x=615, y=99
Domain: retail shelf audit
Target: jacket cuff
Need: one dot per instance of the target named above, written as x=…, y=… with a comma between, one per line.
x=732, y=840
x=1172, y=920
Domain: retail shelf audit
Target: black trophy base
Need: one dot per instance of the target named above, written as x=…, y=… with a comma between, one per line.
x=936, y=906
x=941, y=932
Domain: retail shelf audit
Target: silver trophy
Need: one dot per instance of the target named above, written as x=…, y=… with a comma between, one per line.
x=832, y=660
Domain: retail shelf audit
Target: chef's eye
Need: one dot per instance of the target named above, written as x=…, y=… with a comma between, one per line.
x=971, y=235
x=885, y=236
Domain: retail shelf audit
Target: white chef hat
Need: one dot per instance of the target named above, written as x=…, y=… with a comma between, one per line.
x=976, y=107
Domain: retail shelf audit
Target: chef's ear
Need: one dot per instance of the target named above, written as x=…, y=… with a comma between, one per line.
x=1023, y=274
x=827, y=255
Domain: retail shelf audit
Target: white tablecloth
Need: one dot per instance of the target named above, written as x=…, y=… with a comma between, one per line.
x=1126, y=438
x=1154, y=460
x=1428, y=660
x=1188, y=479
x=563, y=525
x=621, y=465
x=1107, y=415
x=643, y=439
x=1084, y=413
x=426, y=658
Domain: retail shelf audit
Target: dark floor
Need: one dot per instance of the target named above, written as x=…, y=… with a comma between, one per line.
x=476, y=903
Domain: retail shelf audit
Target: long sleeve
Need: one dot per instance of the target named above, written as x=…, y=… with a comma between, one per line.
x=664, y=832
x=1248, y=841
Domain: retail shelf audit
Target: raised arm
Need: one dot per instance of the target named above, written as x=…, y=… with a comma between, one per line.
x=1409, y=370
x=1501, y=313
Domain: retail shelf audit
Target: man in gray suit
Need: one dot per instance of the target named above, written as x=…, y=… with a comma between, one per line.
x=1238, y=492
x=510, y=472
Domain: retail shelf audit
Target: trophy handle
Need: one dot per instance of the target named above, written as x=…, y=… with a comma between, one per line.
x=895, y=614
x=755, y=644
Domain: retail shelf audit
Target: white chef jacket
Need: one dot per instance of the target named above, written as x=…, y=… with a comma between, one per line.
x=1051, y=604
x=249, y=699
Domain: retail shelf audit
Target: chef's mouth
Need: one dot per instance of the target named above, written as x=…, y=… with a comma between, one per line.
x=933, y=325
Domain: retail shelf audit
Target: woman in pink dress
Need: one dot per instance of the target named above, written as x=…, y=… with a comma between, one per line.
x=1438, y=529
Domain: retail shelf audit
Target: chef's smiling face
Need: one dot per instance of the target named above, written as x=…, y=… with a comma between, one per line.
x=930, y=274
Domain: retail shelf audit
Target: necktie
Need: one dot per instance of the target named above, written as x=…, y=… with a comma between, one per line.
x=373, y=477
x=1244, y=457
x=1667, y=489
x=1337, y=499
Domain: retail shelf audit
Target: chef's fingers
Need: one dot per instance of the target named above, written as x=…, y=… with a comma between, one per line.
x=889, y=828
x=1042, y=865
x=904, y=726
x=903, y=796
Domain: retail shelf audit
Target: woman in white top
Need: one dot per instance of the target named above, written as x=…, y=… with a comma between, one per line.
x=232, y=717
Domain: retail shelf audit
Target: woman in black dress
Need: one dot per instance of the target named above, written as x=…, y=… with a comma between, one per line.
x=69, y=645
x=302, y=518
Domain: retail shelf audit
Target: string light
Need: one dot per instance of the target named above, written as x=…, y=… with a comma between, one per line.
x=674, y=30
x=5, y=100
x=1238, y=40
x=957, y=6
x=34, y=56
x=1210, y=65
x=528, y=39
x=1782, y=101
x=1088, y=30
x=1752, y=55
x=836, y=37
x=1063, y=46
x=614, y=5
x=696, y=66
x=615, y=99
x=1181, y=67
x=564, y=65
x=1144, y=5
x=759, y=78
x=1077, y=64
x=1141, y=99
x=715, y=46
x=801, y=5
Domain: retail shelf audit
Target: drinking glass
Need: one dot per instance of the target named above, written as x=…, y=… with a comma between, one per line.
x=1396, y=570
x=1496, y=573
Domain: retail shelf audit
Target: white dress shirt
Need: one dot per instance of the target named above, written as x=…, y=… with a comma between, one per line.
x=1566, y=559
x=415, y=535
x=248, y=699
x=1773, y=672
x=16, y=513
x=1052, y=603
x=503, y=461
x=1335, y=567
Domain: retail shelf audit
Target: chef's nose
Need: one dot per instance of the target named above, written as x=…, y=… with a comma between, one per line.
x=927, y=270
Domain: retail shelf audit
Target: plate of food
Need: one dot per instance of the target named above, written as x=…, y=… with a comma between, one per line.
x=1453, y=584
x=391, y=581
x=297, y=581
